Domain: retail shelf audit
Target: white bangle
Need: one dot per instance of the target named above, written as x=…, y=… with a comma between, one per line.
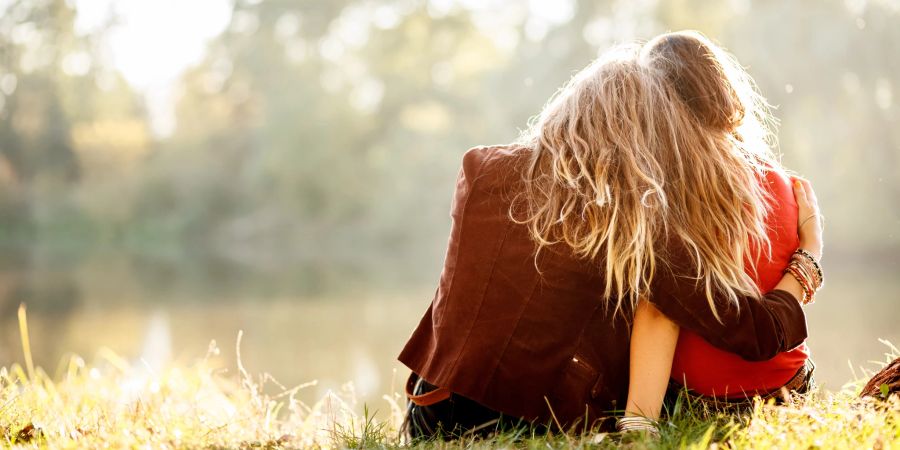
x=637, y=423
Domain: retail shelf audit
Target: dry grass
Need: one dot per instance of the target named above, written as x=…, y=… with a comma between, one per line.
x=111, y=404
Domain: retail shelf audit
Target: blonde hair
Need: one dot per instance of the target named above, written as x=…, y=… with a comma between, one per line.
x=665, y=140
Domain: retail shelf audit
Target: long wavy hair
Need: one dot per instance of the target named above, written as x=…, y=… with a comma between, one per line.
x=653, y=142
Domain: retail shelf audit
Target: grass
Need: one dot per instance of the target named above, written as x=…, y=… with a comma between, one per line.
x=112, y=404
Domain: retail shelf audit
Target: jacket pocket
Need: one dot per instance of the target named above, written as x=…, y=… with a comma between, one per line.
x=569, y=400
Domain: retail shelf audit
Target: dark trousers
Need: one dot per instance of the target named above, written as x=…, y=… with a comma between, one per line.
x=453, y=418
x=459, y=417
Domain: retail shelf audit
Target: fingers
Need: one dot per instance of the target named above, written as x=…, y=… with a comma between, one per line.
x=800, y=193
x=804, y=194
x=809, y=227
x=810, y=193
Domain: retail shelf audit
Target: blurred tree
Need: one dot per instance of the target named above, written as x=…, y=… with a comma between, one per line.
x=330, y=132
x=61, y=112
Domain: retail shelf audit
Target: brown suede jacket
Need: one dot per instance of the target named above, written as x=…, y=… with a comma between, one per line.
x=525, y=342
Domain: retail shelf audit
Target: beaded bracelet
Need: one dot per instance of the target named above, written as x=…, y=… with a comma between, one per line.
x=803, y=279
x=806, y=270
x=810, y=270
x=809, y=257
x=804, y=286
x=807, y=273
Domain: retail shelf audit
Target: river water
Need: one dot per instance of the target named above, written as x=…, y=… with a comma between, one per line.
x=299, y=327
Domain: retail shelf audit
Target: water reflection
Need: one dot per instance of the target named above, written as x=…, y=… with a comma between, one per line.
x=157, y=350
x=158, y=311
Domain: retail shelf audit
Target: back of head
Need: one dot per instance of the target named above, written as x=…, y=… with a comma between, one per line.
x=661, y=140
x=718, y=91
x=727, y=147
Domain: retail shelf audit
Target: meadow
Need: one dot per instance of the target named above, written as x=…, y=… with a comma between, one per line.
x=111, y=403
x=287, y=168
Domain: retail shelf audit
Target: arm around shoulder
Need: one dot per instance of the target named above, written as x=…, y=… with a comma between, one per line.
x=755, y=328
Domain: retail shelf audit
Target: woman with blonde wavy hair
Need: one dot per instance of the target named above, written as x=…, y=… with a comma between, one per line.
x=642, y=194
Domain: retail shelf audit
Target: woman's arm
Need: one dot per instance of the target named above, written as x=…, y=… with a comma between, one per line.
x=756, y=328
x=653, y=339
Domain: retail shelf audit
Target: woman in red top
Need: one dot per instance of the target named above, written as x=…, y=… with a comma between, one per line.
x=707, y=370
x=658, y=348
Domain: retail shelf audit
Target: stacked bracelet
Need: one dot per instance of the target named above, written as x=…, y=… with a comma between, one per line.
x=806, y=270
x=815, y=264
x=637, y=423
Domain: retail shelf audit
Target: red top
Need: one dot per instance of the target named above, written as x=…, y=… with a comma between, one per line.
x=710, y=371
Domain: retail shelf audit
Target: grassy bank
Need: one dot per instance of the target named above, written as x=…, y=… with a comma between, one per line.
x=116, y=404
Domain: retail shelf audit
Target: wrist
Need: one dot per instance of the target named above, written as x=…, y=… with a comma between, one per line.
x=637, y=423
x=805, y=269
x=813, y=249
